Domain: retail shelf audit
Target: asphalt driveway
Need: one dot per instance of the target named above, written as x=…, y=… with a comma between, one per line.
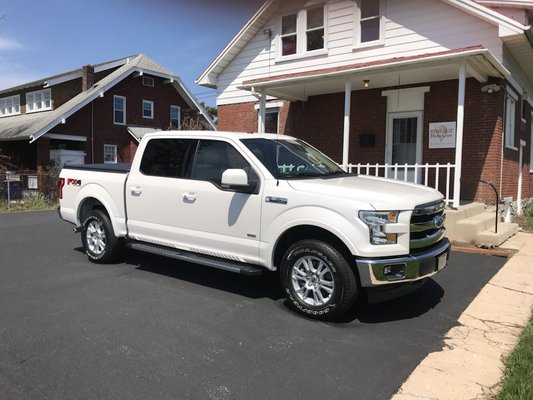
x=152, y=328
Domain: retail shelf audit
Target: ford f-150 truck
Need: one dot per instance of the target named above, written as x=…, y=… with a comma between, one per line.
x=247, y=203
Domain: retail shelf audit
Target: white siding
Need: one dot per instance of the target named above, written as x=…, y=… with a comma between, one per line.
x=411, y=27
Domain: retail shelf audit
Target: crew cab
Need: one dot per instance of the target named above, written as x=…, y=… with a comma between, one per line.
x=249, y=203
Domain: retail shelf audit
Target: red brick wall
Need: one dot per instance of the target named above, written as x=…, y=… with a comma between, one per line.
x=320, y=122
x=106, y=132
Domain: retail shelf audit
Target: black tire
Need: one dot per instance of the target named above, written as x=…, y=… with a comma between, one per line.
x=318, y=280
x=98, y=238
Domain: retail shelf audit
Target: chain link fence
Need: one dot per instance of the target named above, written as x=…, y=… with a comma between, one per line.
x=28, y=190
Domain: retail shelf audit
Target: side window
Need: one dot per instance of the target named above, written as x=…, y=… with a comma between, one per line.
x=168, y=158
x=214, y=157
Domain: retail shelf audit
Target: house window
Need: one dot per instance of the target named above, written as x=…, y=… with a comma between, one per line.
x=510, y=119
x=175, y=117
x=39, y=101
x=303, y=32
x=370, y=23
x=531, y=143
x=119, y=110
x=524, y=110
x=315, y=29
x=110, y=154
x=289, y=34
x=10, y=106
x=271, y=121
x=148, y=81
x=148, y=109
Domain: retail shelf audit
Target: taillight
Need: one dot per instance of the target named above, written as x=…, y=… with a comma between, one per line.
x=60, y=184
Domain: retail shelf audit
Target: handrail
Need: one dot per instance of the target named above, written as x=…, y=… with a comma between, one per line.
x=497, y=203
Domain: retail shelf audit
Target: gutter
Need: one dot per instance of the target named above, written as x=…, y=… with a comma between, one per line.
x=300, y=79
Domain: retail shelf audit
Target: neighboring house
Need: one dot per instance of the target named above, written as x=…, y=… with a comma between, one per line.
x=386, y=82
x=96, y=114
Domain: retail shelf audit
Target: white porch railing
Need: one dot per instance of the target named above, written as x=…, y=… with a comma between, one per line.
x=437, y=176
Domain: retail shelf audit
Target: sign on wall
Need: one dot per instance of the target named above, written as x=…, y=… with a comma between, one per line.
x=442, y=135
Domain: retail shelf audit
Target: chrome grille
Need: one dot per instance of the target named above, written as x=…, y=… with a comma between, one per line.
x=427, y=224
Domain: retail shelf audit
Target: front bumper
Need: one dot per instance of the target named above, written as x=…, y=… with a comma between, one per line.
x=415, y=266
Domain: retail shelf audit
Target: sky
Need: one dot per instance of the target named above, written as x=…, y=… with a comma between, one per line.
x=40, y=38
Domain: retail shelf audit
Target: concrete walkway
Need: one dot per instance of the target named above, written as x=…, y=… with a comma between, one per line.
x=470, y=365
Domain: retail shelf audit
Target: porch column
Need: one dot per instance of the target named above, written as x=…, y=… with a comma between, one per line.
x=262, y=112
x=459, y=137
x=346, y=134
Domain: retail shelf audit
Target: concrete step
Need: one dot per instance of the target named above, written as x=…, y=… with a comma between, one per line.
x=489, y=238
x=466, y=230
x=464, y=211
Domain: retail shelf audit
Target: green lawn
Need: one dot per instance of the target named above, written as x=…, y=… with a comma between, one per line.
x=517, y=381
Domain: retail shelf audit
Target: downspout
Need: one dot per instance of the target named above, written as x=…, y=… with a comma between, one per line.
x=504, y=121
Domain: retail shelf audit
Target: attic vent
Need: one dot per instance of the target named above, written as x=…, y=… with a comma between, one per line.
x=148, y=81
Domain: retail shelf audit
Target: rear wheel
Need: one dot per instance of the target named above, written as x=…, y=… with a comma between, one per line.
x=318, y=280
x=98, y=238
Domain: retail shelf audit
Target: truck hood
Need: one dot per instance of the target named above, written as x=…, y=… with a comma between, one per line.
x=380, y=193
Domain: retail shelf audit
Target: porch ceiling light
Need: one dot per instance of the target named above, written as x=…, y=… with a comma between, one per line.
x=366, y=83
x=491, y=88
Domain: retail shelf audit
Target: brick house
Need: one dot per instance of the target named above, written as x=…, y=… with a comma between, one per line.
x=95, y=114
x=434, y=91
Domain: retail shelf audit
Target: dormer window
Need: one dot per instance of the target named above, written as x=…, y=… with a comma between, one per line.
x=289, y=34
x=10, y=106
x=315, y=29
x=40, y=100
x=369, y=25
x=303, y=32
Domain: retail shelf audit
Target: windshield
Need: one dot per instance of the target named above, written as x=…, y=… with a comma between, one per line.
x=286, y=159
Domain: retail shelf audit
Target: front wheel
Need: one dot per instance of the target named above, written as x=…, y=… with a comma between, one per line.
x=318, y=280
x=98, y=238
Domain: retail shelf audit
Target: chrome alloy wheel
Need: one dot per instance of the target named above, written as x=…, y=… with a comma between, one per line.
x=312, y=281
x=96, y=239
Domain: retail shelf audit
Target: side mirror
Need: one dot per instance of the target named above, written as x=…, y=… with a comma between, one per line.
x=237, y=179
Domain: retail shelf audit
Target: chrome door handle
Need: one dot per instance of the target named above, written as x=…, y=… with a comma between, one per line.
x=136, y=190
x=189, y=197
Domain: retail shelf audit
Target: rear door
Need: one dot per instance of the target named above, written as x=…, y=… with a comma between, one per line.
x=154, y=189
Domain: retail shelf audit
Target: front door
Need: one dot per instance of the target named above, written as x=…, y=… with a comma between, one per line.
x=404, y=145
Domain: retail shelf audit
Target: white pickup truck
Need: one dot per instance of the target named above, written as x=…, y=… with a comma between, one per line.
x=247, y=203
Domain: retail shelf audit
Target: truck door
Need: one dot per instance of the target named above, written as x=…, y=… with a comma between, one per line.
x=176, y=199
x=218, y=221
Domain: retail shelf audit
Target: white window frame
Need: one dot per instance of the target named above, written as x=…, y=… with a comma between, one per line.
x=14, y=106
x=151, y=104
x=301, y=34
x=357, y=37
x=112, y=147
x=510, y=119
x=148, y=81
x=115, y=109
x=36, y=101
x=172, y=107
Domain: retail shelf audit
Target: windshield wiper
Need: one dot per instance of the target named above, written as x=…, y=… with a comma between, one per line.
x=300, y=174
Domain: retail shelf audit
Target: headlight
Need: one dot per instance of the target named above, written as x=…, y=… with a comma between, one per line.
x=376, y=221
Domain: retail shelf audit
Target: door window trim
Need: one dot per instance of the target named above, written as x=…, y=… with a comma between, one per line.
x=419, y=133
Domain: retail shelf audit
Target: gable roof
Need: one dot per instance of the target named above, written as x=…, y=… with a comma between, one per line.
x=34, y=125
x=506, y=25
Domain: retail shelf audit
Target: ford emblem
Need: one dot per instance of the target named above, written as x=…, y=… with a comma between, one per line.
x=438, y=220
